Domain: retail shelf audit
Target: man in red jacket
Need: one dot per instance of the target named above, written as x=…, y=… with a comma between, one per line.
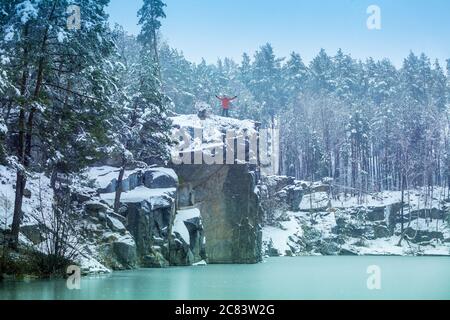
x=226, y=101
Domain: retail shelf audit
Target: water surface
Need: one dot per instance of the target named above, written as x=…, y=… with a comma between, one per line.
x=276, y=278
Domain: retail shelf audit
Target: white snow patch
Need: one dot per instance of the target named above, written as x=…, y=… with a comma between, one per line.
x=105, y=174
x=180, y=218
x=156, y=197
x=280, y=236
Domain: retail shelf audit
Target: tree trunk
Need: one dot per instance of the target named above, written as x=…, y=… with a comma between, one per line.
x=402, y=209
x=119, y=189
x=20, y=177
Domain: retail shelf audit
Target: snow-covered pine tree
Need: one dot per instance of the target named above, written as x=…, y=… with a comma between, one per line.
x=178, y=75
x=438, y=87
x=345, y=77
x=266, y=84
x=245, y=70
x=60, y=84
x=150, y=16
x=143, y=133
x=321, y=68
x=295, y=76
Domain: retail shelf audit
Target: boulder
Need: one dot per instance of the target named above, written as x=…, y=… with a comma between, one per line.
x=125, y=251
x=347, y=252
x=180, y=253
x=422, y=236
x=376, y=213
x=114, y=223
x=381, y=231
x=32, y=233
x=93, y=207
x=27, y=193
x=154, y=260
x=160, y=178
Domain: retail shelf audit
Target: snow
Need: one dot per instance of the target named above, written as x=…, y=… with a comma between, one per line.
x=200, y=263
x=27, y=10
x=9, y=34
x=280, y=236
x=37, y=207
x=102, y=176
x=417, y=200
x=208, y=133
x=160, y=171
x=61, y=36
x=156, y=197
x=180, y=218
x=116, y=223
x=90, y=265
x=389, y=246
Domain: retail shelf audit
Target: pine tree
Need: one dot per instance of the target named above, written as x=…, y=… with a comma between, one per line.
x=321, y=69
x=345, y=75
x=295, y=76
x=245, y=70
x=53, y=69
x=438, y=88
x=178, y=75
x=150, y=15
x=144, y=128
x=266, y=82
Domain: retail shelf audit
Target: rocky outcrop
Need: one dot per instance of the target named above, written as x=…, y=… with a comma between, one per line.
x=227, y=198
x=345, y=225
x=226, y=195
x=103, y=236
x=281, y=193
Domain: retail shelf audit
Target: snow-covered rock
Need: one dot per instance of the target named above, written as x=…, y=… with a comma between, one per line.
x=372, y=227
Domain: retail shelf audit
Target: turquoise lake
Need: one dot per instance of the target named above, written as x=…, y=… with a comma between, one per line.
x=276, y=278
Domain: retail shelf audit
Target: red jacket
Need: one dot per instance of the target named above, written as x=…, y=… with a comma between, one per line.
x=225, y=101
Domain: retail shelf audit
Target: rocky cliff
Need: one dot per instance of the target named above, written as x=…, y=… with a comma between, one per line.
x=229, y=207
x=342, y=224
x=225, y=194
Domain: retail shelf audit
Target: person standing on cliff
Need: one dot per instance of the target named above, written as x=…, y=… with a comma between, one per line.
x=226, y=101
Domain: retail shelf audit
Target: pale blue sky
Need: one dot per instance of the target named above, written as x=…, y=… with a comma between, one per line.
x=226, y=28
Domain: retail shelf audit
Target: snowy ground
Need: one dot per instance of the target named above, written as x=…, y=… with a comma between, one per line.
x=417, y=200
x=37, y=205
x=288, y=236
x=285, y=238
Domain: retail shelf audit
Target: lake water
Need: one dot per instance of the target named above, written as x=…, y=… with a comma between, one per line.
x=276, y=278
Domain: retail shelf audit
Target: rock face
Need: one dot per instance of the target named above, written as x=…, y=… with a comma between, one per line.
x=106, y=237
x=230, y=210
x=281, y=193
x=345, y=225
x=149, y=213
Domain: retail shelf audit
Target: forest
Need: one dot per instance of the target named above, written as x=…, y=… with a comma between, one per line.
x=71, y=97
x=368, y=125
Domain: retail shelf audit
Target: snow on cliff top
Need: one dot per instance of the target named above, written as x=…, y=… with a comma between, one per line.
x=212, y=123
x=161, y=197
x=102, y=176
x=211, y=129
